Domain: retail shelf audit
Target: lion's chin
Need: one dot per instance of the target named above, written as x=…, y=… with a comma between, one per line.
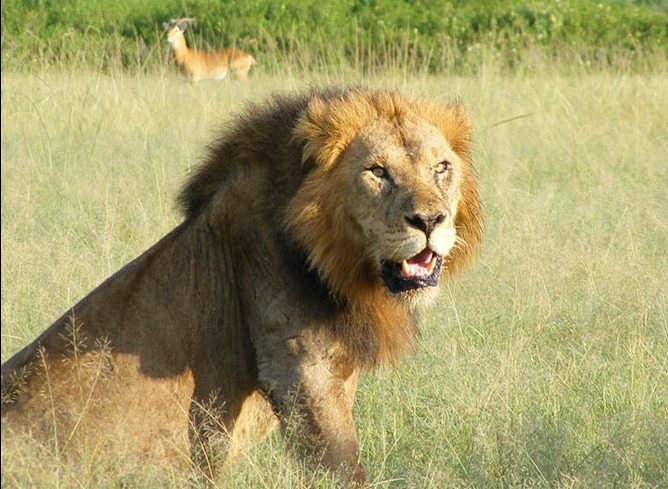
x=417, y=272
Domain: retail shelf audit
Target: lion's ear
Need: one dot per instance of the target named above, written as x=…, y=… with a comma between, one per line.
x=459, y=128
x=317, y=128
x=453, y=122
x=327, y=126
x=310, y=130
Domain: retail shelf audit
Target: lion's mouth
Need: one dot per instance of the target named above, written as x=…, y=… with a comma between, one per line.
x=417, y=272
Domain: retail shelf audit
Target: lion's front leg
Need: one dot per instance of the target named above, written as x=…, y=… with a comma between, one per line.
x=210, y=425
x=216, y=404
x=312, y=393
x=218, y=436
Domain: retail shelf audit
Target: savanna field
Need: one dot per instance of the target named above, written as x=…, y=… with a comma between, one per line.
x=544, y=365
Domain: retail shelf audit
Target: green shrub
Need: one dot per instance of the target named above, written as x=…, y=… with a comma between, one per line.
x=435, y=35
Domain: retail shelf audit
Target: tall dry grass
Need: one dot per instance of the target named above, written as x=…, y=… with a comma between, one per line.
x=544, y=366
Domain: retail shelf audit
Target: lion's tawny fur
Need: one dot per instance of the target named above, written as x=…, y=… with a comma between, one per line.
x=268, y=297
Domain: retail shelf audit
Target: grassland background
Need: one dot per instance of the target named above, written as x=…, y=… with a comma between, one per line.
x=544, y=366
x=434, y=35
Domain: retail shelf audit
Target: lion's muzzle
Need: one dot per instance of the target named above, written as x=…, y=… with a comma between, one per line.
x=419, y=271
x=425, y=223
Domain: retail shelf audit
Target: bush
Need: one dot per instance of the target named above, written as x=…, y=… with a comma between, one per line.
x=433, y=35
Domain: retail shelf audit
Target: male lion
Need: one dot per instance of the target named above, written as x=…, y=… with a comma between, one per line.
x=314, y=232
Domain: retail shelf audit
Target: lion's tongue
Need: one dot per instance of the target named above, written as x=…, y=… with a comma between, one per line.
x=418, y=266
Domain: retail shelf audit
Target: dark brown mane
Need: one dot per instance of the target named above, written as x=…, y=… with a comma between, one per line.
x=262, y=130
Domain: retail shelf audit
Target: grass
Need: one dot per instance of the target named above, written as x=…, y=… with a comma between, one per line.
x=439, y=34
x=544, y=366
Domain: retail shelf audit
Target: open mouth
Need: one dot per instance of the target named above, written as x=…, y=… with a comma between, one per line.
x=417, y=272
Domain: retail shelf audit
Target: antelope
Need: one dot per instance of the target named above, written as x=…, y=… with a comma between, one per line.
x=200, y=64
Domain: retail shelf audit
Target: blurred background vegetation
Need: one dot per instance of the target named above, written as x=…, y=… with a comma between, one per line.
x=426, y=35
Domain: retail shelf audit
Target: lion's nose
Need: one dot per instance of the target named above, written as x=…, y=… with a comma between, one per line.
x=425, y=223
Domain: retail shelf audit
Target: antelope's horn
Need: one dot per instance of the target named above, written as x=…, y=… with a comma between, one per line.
x=186, y=21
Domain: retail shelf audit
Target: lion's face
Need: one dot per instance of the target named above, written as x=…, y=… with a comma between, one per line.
x=390, y=200
x=401, y=193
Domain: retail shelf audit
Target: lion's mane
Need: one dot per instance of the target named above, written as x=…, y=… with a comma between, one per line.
x=316, y=128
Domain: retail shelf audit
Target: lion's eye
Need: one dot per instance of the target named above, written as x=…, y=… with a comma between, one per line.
x=378, y=171
x=442, y=166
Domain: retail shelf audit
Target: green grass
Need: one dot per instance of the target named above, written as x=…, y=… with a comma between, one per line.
x=440, y=35
x=544, y=366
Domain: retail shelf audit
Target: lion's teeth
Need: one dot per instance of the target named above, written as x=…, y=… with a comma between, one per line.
x=431, y=265
x=405, y=269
